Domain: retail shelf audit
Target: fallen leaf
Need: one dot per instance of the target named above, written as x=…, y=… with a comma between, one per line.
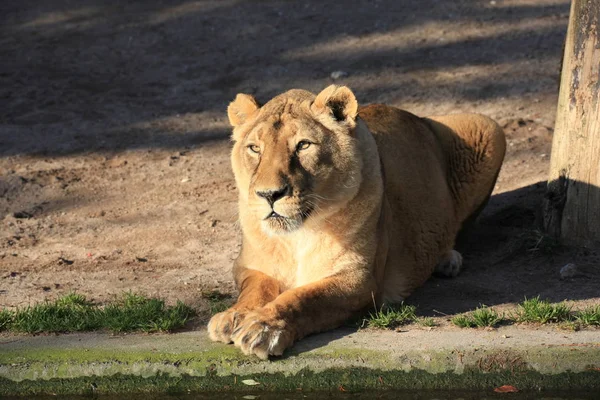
x=342, y=388
x=250, y=382
x=506, y=389
x=250, y=397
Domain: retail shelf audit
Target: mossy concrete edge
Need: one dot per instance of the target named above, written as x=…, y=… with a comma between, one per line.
x=96, y=363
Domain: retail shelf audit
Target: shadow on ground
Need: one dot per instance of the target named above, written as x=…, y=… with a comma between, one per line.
x=508, y=258
x=105, y=76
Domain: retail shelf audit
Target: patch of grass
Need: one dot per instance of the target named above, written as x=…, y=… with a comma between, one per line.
x=70, y=313
x=482, y=316
x=463, y=321
x=6, y=317
x=427, y=321
x=589, y=316
x=217, y=301
x=74, y=313
x=542, y=311
x=138, y=313
x=391, y=317
x=485, y=316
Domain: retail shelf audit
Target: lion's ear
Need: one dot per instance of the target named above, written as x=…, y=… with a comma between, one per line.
x=241, y=108
x=338, y=101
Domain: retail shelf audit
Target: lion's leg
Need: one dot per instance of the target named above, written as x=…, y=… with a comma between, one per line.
x=256, y=290
x=450, y=264
x=298, y=312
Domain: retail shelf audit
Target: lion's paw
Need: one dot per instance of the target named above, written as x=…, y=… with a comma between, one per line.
x=221, y=325
x=262, y=336
x=451, y=265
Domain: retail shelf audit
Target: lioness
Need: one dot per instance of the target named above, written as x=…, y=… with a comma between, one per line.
x=339, y=205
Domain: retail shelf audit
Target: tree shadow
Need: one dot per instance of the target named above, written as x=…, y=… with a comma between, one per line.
x=509, y=257
x=111, y=76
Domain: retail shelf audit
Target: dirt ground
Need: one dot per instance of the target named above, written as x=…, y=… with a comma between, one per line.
x=114, y=150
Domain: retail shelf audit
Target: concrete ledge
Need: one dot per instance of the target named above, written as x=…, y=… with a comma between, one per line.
x=417, y=359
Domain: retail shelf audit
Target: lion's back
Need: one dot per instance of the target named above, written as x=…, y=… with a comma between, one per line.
x=421, y=223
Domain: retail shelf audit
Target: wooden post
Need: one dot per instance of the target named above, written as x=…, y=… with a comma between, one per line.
x=572, y=205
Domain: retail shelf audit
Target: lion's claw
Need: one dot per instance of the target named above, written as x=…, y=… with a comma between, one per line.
x=262, y=336
x=221, y=325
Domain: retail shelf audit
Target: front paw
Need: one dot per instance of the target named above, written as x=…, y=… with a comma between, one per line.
x=263, y=336
x=221, y=325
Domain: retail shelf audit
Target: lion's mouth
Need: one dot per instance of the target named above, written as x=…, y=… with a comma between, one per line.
x=274, y=215
x=277, y=223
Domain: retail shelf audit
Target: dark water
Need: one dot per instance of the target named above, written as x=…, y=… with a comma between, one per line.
x=380, y=395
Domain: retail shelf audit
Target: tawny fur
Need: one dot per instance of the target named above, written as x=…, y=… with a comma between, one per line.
x=366, y=210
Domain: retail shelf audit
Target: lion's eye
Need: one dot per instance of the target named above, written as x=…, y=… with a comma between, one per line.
x=254, y=148
x=303, y=145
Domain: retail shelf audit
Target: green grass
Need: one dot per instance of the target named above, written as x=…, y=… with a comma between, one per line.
x=70, y=313
x=427, y=321
x=217, y=301
x=589, y=316
x=482, y=316
x=463, y=321
x=391, y=317
x=138, y=313
x=485, y=316
x=5, y=319
x=134, y=312
x=542, y=311
x=74, y=313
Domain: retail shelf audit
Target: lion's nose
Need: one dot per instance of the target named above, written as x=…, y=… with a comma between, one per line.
x=272, y=195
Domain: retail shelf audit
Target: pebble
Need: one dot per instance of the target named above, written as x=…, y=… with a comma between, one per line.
x=338, y=74
x=568, y=271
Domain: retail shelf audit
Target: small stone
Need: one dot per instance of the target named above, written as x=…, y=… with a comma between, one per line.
x=568, y=271
x=22, y=215
x=338, y=74
x=62, y=260
x=184, y=180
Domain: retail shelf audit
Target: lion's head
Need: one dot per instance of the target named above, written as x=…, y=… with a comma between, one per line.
x=295, y=159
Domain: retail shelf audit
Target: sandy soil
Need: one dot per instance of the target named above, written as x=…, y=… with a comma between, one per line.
x=114, y=168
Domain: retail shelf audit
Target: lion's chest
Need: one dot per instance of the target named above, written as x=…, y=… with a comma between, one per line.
x=304, y=259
